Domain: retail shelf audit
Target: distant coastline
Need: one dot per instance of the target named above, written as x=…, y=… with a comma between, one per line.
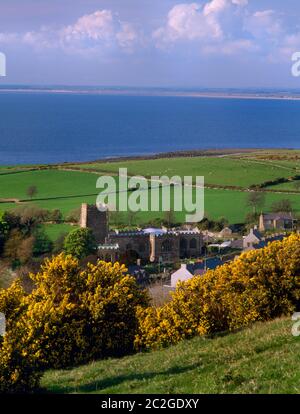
x=221, y=152
x=290, y=95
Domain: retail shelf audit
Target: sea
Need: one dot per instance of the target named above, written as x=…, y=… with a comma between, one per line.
x=46, y=128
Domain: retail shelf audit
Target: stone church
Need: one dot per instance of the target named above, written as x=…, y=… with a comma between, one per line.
x=148, y=245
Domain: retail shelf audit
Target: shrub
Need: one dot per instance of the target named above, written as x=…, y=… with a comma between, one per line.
x=73, y=216
x=55, y=216
x=71, y=317
x=259, y=285
x=80, y=243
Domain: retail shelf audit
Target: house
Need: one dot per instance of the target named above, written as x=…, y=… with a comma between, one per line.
x=265, y=241
x=252, y=239
x=182, y=274
x=225, y=233
x=276, y=221
x=188, y=271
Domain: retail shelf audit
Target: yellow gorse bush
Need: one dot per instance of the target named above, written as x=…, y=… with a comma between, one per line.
x=71, y=317
x=259, y=285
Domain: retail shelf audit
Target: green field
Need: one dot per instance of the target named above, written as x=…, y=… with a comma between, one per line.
x=216, y=170
x=53, y=231
x=290, y=186
x=262, y=359
x=65, y=189
x=50, y=183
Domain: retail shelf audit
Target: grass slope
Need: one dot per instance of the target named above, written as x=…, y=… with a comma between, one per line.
x=260, y=359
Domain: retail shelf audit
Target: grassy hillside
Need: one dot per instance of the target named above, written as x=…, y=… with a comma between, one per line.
x=260, y=359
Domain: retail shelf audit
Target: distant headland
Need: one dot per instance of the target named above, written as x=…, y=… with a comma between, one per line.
x=234, y=93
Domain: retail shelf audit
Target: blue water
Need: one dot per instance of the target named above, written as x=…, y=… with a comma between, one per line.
x=50, y=128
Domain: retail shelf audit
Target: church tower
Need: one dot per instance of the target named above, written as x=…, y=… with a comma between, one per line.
x=97, y=221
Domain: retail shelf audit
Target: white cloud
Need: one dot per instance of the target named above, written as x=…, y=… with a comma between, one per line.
x=187, y=21
x=127, y=36
x=202, y=23
x=98, y=26
x=264, y=23
x=210, y=27
x=101, y=29
x=215, y=6
x=240, y=2
x=96, y=32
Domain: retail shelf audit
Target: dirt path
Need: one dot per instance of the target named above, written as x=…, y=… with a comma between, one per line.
x=10, y=200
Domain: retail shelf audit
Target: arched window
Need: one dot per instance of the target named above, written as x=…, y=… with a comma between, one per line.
x=193, y=244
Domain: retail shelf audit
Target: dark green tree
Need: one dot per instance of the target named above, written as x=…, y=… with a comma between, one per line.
x=80, y=243
x=42, y=243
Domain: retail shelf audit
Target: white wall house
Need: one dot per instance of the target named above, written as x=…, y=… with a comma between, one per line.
x=252, y=239
x=181, y=274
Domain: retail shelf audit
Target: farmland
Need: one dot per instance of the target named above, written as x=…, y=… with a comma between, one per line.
x=216, y=170
x=227, y=179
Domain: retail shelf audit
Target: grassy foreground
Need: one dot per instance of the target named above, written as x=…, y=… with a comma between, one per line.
x=260, y=359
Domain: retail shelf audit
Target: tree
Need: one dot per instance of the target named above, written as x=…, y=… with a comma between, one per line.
x=205, y=224
x=42, y=243
x=252, y=219
x=256, y=200
x=58, y=245
x=56, y=216
x=25, y=250
x=220, y=224
x=80, y=243
x=26, y=218
x=12, y=245
x=282, y=206
x=18, y=248
x=73, y=216
x=31, y=191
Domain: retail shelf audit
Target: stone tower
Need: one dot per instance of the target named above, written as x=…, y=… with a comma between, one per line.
x=261, y=226
x=97, y=221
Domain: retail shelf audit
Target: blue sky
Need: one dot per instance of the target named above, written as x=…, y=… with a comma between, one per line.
x=204, y=43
